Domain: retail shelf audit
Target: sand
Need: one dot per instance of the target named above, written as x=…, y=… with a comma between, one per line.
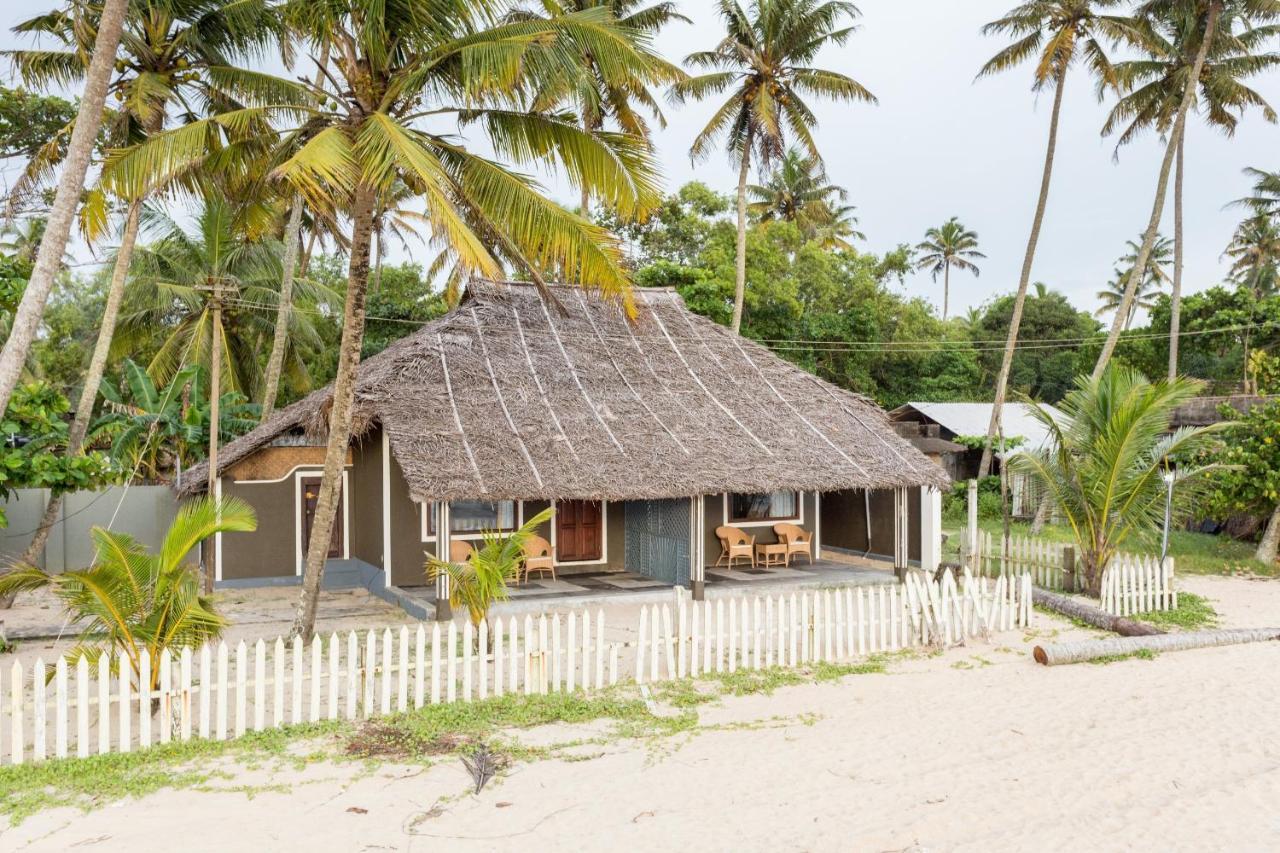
x=975, y=749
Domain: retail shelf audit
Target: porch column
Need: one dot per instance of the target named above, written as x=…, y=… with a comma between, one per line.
x=930, y=528
x=444, y=612
x=900, y=532
x=697, y=555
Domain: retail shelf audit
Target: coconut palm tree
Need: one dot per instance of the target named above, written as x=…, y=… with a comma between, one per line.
x=1155, y=281
x=1054, y=35
x=80, y=144
x=763, y=62
x=950, y=245
x=170, y=49
x=798, y=191
x=1199, y=22
x=1103, y=467
x=1265, y=198
x=1154, y=85
x=1255, y=256
x=603, y=99
x=396, y=74
x=131, y=601
x=481, y=579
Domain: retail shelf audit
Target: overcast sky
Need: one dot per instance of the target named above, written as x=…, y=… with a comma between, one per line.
x=941, y=145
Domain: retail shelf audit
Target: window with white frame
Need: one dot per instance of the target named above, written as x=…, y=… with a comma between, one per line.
x=742, y=508
x=476, y=517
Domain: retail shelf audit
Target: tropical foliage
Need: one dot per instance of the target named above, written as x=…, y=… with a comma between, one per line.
x=132, y=601
x=482, y=579
x=1104, y=465
x=951, y=245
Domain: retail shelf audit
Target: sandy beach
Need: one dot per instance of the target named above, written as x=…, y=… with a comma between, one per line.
x=974, y=749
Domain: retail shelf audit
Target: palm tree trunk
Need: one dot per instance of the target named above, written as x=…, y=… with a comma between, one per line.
x=275, y=364
x=740, y=260
x=340, y=411
x=93, y=377
x=1175, y=298
x=1139, y=270
x=1011, y=344
x=946, y=290
x=26, y=320
x=215, y=422
x=1270, y=543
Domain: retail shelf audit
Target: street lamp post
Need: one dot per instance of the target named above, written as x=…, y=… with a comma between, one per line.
x=1170, y=477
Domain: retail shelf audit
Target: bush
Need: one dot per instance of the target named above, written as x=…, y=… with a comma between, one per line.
x=955, y=503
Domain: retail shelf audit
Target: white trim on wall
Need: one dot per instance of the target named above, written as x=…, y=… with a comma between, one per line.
x=297, y=516
x=386, y=509
x=817, y=525
x=604, y=540
x=424, y=522
x=796, y=519
x=217, y=539
x=287, y=475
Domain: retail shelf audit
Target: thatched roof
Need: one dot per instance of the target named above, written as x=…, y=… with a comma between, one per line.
x=509, y=397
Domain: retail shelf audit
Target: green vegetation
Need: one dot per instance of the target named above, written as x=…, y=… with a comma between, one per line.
x=1193, y=613
x=130, y=601
x=1140, y=654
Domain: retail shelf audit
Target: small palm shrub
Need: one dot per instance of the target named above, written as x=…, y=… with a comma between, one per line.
x=130, y=599
x=478, y=582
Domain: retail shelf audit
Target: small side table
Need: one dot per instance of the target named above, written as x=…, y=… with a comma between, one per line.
x=770, y=554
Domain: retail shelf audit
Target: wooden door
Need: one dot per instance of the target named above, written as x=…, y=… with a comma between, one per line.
x=310, y=497
x=579, y=531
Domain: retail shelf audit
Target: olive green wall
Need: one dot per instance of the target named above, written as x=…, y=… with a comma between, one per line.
x=715, y=517
x=844, y=522
x=366, y=500
x=269, y=551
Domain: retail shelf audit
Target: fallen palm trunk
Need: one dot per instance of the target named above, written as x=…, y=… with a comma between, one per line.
x=1085, y=650
x=1078, y=610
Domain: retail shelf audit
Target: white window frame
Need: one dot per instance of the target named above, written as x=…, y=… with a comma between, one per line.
x=604, y=540
x=425, y=508
x=297, y=516
x=470, y=536
x=798, y=518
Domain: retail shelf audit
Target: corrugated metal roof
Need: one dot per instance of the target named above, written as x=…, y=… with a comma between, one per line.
x=973, y=419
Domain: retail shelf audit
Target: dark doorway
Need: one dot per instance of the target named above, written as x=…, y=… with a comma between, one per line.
x=310, y=497
x=579, y=531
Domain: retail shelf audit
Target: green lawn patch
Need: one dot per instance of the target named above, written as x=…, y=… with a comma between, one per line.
x=1193, y=613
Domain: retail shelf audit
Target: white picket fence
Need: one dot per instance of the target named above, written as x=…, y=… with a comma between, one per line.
x=1138, y=584
x=219, y=692
x=1047, y=562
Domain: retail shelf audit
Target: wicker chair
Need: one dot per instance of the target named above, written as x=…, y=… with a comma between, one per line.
x=539, y=557
x=734, y=543
x=460, y=551
x=797, y=539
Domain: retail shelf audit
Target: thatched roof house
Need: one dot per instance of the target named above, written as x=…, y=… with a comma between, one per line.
x=511, y=398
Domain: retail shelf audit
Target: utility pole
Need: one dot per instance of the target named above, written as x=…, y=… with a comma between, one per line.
x=215, y=389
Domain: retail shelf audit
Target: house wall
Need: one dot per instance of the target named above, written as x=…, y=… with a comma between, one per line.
x=366, y=500
x=268, y=551
x=615, y=532
x=844, y=522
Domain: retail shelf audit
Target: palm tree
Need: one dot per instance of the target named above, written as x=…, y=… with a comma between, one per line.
x=1199, y=23
x=1255, y=256
x=171, y=49
x=396, y=72
x=797, y=191
x=481, y=579
x=1154, y=86
x=951, y=245
x=1154, y=282
x=603, y=99
x=1104, y=466
x=763, y=62
x=1265, y=198
x=26, y=320
x=131, y=601
x=1055, y=34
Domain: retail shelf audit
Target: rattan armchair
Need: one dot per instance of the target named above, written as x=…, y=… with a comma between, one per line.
x=539, y=557
x=796, y=538
x=733, y=544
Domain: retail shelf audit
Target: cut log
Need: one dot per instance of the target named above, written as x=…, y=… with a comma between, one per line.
x=1086, y=650
x=1080, y=611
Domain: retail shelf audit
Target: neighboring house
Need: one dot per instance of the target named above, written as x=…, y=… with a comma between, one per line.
x=1204, y=411
x=645, y=435
x=949, y=421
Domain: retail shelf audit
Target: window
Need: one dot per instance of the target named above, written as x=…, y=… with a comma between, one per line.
x=479, y=516
x=770, y=506
x=429, y=521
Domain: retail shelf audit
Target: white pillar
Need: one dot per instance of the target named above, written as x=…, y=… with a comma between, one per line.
x=930, y=528
x=443, y=611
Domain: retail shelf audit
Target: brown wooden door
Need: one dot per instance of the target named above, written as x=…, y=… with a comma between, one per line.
x=579, y=531
x=310, y=497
